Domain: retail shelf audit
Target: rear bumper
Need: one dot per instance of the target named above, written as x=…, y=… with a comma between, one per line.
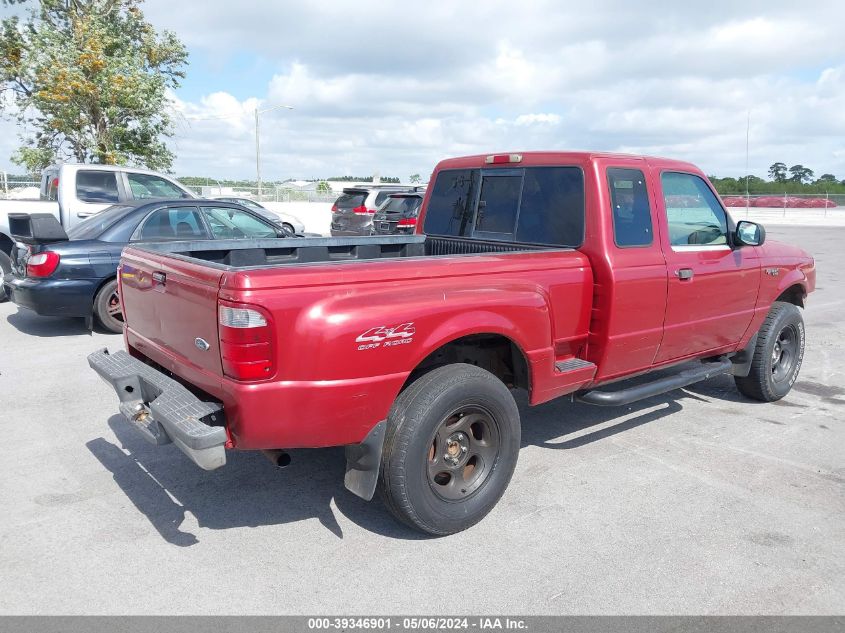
x=163, y=410
x=285, y=413
x=53, y=297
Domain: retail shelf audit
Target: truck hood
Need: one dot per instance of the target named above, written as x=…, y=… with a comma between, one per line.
x=773, y=248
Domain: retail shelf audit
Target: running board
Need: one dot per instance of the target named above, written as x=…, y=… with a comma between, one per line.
x=655, y=388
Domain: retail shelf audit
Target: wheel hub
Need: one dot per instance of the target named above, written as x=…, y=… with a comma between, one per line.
x=457, y=448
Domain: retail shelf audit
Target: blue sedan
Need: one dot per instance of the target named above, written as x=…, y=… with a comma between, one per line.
x=78, y=277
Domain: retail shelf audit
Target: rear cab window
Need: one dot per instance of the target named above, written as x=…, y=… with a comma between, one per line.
x=532, y=205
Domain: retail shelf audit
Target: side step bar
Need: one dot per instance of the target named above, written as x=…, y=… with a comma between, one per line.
x=662, y=385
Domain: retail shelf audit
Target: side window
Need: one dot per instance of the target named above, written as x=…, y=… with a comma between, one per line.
x=148, y=186
x=173, y=223
x=230, y=223
x=630, y=207
x=96, y=186
x=449, y=210
x=498, y=204
x=552, y=207
x=694, y=215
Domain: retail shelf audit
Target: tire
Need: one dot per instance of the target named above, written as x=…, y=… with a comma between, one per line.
x=5, y=271
x=104, y=308
x=450, y=449
x=777, y=356
x=289, y=228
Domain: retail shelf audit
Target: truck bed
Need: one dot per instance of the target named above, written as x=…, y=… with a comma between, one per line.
x=240, y=254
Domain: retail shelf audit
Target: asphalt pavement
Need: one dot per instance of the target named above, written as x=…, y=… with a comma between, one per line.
x=695, y=502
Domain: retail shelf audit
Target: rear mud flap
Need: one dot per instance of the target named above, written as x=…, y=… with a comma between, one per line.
x=363, y=462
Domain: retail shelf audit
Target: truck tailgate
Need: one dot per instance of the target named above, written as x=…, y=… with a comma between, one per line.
x=171, y=304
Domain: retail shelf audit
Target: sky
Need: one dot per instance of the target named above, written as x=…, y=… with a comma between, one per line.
x=393, y=87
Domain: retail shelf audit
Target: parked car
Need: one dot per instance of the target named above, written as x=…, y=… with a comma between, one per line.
x=352, y=212
x=399, y=213
x=72, y=193
x=73, y=273
x=557, y=273
x=285, y=220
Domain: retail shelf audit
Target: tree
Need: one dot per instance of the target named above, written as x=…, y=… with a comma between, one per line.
x=801, y=174
x=89, y=81
x=415, y=178
x=826, y=178
x=324, y=187
x=777, y=172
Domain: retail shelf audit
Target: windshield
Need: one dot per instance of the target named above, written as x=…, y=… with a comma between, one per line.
x=93, y=227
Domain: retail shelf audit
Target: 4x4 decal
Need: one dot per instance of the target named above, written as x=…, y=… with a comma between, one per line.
x=386, y=336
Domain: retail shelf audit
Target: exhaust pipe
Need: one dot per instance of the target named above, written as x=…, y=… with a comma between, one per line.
x=279, y=458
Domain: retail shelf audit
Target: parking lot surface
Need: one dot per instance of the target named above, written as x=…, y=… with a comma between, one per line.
x=696, y=502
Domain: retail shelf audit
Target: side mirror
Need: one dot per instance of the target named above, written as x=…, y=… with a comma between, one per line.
x=749, y=233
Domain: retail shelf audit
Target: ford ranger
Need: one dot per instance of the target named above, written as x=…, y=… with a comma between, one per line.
x=556, y=273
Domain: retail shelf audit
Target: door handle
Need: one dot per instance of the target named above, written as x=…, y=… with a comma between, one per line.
x=684, y=274
x=160, y=278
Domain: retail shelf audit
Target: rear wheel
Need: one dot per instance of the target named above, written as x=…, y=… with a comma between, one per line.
x=5, y=271
x=451, y=447
x=107, y=307
x=777, y=355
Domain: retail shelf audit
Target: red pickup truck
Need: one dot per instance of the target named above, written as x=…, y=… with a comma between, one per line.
x=557, y=273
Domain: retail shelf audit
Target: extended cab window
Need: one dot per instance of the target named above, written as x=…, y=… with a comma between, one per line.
x=537, y=205
x=96, y=186
x=631, y=212
x=694, y=215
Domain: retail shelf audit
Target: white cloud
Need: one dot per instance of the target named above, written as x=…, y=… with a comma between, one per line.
x=394, y=87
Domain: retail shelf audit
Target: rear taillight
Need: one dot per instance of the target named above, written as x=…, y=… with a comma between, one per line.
x=246, y=342
x=334, y=208
x=362, y=210
x=407, y=222
x=42, y=264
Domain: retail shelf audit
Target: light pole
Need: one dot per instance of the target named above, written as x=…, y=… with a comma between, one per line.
x=258, y=142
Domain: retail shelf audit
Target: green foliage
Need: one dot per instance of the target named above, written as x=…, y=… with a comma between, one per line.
x=414, y=178
x=777, y=172
x=89, y=81
x=324, y=187
x=801, y=174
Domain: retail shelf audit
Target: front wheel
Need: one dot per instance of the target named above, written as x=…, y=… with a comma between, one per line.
x=107, y=308
x=451, y=448
x=777, y=355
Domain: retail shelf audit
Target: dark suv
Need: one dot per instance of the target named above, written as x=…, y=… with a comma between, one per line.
x=399, y=213
x=353, y=211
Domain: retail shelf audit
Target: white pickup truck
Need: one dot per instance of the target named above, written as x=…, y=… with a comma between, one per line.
x=74, y=192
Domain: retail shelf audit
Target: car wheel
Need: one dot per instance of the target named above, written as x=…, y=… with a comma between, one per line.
x=450, y=450
x=5, y=271
x=288, y=228
x=777, y=355
x=107, y=307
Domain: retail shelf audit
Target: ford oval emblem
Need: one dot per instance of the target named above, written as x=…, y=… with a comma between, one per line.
x=202, y=344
